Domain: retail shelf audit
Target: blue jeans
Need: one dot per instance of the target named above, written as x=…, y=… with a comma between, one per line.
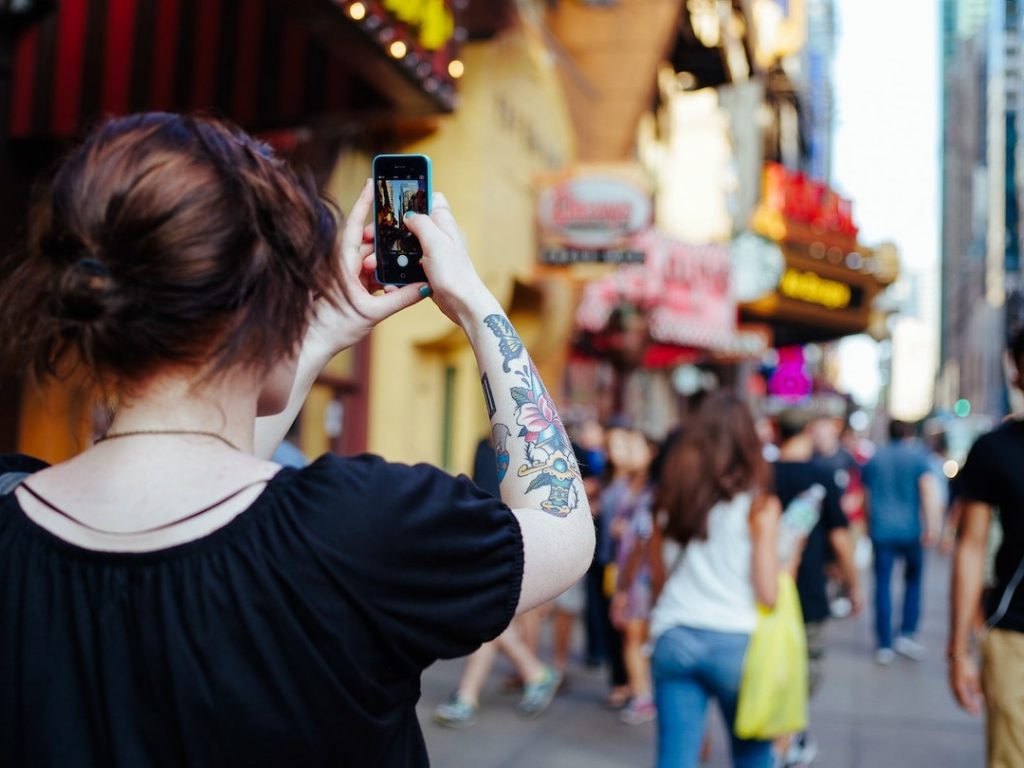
x=886, y=554
x=691, y=666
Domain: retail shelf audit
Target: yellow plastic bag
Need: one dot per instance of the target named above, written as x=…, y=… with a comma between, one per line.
x=773, y=689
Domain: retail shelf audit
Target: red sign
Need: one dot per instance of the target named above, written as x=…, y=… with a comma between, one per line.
x=806, y=201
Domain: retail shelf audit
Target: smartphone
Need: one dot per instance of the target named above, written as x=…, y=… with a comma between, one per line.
x=401, y=183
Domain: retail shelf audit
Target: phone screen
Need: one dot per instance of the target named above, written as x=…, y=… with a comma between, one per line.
x=401, y=183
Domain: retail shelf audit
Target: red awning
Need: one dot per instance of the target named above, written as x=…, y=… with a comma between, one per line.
x=265, y=64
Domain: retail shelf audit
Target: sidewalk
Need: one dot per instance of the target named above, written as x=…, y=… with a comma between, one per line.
x=863, y=716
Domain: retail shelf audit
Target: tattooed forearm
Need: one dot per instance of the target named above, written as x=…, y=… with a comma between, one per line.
x=549, y=460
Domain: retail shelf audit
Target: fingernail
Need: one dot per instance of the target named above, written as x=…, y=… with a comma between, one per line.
x=425, y=291
x=410, y=214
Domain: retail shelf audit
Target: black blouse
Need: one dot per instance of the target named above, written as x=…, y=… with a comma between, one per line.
x=293, y=635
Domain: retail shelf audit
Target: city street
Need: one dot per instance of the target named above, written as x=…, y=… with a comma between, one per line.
x=864, y=715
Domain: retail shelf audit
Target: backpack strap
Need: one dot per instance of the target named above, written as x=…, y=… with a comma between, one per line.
x=10, y=480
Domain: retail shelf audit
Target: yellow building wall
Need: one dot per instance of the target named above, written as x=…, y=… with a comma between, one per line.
x=56, y=420
x=512, y=125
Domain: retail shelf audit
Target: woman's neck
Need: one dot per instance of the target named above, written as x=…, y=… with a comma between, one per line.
x=225, y=406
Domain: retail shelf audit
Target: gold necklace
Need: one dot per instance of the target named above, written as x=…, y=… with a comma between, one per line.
x=135, y=432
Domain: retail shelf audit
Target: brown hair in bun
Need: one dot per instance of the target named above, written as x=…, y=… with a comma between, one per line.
x=167, y=240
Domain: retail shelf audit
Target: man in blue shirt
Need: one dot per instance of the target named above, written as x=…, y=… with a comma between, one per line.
x=903, y=519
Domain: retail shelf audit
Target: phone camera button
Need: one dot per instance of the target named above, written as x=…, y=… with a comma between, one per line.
x=402, y=275
x=403, y=260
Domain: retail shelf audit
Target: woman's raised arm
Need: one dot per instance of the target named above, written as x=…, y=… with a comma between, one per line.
x=537, y=471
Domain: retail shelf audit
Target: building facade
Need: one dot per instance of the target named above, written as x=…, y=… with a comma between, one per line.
x=981, y=227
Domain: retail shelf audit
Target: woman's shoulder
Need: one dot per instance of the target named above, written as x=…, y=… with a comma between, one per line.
x=368, y=479
x=366, y=468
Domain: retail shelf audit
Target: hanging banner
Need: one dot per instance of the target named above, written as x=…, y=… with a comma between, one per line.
x=684, y=291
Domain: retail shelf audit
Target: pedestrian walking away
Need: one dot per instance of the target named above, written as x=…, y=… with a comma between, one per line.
x=991, y=480
x=721, y=558
x=901, y=498
x=796, y=475
x=171, y=597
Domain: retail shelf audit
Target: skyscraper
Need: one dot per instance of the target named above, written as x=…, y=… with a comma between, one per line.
x=981, y=110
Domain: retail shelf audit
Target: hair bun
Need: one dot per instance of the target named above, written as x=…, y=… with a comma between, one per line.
x=84, y=291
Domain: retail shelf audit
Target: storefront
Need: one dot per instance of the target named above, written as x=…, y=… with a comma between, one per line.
x=648, y=321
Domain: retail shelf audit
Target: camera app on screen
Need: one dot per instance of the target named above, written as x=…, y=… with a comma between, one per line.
x=394, y=198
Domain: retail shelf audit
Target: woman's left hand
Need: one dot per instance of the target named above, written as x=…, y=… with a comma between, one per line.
x=356, y=306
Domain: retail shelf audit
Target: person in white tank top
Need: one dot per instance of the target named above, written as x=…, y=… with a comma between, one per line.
x=718, y=529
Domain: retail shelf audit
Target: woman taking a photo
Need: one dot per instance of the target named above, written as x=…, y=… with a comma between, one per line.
x=171, y=597
x=721, y=560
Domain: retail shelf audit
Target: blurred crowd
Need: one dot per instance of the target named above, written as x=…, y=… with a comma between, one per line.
x=662, y=623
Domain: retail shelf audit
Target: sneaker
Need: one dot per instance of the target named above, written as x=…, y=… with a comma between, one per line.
x=638, y=711
x=457, y=712
x=885, y=656
x=841, y=607
x=616, y=699
x=537, y=694
x=910, y=648
x=802, y=751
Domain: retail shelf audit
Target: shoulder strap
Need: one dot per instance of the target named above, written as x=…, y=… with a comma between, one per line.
x=31, y=492
x=1008, y=593
x=10, y=480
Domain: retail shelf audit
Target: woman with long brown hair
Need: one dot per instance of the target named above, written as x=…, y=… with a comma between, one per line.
x=169, y=596
x=722, y=524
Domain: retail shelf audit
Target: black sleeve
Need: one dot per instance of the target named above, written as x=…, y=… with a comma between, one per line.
x=831, y=510
x=975, y=480
x=437, y=560
x=17, y=462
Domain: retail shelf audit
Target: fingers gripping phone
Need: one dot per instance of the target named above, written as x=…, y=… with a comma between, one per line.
x=401, y=183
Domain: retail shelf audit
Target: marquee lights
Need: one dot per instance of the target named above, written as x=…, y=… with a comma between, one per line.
x=814, y=289
x=422, y=34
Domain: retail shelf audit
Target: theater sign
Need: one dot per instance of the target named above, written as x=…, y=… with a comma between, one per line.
x=827, y=281
x=593, y=215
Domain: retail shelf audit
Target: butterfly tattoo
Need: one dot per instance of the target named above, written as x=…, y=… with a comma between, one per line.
x=509, y=343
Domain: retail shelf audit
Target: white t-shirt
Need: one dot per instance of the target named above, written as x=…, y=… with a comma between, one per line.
x=711, y=587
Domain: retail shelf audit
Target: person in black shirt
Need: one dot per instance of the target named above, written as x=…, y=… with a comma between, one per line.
x=795, y=473
x=170, y=597
x=991, y=482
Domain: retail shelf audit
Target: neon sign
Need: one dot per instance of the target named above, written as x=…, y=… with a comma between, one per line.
x=814, y=289
x=806, y=201
x=790, y=381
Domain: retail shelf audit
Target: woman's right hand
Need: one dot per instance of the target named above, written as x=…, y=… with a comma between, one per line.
x=456, y=287
x=343, y=319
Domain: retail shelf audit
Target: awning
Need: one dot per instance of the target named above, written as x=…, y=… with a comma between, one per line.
x=266, y=64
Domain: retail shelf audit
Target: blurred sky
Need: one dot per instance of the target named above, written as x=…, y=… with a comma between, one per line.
x=887, y=150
